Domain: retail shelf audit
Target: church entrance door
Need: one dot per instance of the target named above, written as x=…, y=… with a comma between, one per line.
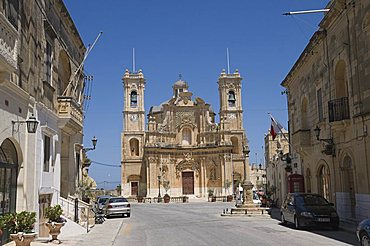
x=187, y=183
x=134, y=188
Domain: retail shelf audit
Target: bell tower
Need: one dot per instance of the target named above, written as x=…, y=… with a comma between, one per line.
x=133, y=134
x=231, y=109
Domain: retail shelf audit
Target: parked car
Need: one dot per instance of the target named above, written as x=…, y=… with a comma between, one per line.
x=363, y=232
x=306, y=209
x=100, y=201
x=256, y=199
x=117, y=206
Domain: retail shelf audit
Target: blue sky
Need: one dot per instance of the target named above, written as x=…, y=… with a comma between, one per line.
x=188, y=37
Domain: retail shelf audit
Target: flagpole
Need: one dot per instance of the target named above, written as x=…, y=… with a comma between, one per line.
x=281, y=130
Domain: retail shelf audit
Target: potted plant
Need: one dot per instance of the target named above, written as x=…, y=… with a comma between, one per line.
x=166, y=198
x=20, y=226
x=166, y=186
x=55, y=221
x=211, y=197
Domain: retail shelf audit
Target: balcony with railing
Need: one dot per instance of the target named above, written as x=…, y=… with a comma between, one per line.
x=8, y=45
x=338, y=109
x=70, y=114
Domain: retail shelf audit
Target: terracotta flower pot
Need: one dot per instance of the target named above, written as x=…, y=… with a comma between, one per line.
x=54, y=229
x=166, y=199
x=23, y=239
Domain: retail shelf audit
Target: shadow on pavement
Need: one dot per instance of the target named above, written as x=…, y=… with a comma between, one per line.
x=344, y=235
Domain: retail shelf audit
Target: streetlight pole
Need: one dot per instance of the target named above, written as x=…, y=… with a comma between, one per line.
x=159, y=186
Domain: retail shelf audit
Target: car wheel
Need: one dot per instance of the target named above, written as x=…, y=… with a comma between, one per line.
x=283, y=221
x=128, y=215
x=335, y=227
x=296, y=223
x=364, y=238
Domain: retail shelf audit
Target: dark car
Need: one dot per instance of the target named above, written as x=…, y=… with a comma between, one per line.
x=100, y=201
x=306, y=209
x=363, y=232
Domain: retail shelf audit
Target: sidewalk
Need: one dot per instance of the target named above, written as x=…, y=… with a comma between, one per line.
x=100, y=234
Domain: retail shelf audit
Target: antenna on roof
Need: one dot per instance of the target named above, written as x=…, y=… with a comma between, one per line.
x=228, y=60
x=133, y=60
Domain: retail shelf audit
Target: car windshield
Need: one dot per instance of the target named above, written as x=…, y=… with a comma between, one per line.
x=311, y=200
x=118, y=199
x=103, y=200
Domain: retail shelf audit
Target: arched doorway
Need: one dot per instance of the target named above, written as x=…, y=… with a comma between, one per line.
x=8, y=177
x=323, y=178
x=187, y=183
x=348, y=188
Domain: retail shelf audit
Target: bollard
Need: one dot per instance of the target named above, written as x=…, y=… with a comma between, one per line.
x=76, y=210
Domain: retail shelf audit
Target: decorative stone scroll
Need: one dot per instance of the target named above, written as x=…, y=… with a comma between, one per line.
x=186, y=165
x=184, y=117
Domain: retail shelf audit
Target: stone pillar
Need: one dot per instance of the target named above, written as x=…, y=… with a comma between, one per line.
x=222, y=162
x=247, y=194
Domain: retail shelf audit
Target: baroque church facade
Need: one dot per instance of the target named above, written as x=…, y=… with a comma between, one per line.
x=181, y=150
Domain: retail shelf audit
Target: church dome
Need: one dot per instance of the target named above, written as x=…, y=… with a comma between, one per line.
x=180, y=84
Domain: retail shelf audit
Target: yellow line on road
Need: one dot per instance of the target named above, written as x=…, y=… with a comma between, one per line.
x=126, y=230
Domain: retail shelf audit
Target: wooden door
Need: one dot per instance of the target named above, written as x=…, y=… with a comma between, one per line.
x=187, y=183
x=134, y=188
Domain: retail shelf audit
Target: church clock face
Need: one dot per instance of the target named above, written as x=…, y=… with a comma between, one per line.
x=133, y=117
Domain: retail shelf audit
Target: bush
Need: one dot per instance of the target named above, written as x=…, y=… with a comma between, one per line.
x=53, y=213
x=18, y=222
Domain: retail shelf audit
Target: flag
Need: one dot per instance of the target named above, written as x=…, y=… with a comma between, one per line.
x=276, y=128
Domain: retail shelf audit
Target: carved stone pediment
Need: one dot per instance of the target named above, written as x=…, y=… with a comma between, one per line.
x=185, y=118
x=187, y=165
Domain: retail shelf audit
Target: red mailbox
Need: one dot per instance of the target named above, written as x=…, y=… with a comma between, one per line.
x=295, y=183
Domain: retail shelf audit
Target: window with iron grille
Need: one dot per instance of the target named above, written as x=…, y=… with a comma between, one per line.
x=338, y=109
x=48, y=61
x=11, y=9
x=46, y=153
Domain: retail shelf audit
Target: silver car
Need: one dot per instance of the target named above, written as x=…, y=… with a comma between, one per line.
x=117, y=206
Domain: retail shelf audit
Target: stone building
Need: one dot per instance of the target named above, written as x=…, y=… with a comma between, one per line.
x=40, y=50
x=278, y=168
x=258, y=176
x=182, y=150
x=329, y=108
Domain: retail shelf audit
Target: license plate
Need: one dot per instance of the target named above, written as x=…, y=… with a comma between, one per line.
x=323, y=219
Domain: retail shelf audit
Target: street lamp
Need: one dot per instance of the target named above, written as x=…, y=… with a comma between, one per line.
x=159, y=188
x=94, y=141
x=330, y=146
x=31, y=123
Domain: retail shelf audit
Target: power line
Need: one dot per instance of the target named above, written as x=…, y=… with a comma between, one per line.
x=104, y=164
x=109, y=182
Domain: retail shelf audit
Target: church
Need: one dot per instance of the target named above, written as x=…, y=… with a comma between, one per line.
x=178, y=148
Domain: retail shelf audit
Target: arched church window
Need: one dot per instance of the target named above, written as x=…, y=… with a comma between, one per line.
x=212, y=174
x=134, y=147
x=231, y=98
x=186, y=136
x=133, y=99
